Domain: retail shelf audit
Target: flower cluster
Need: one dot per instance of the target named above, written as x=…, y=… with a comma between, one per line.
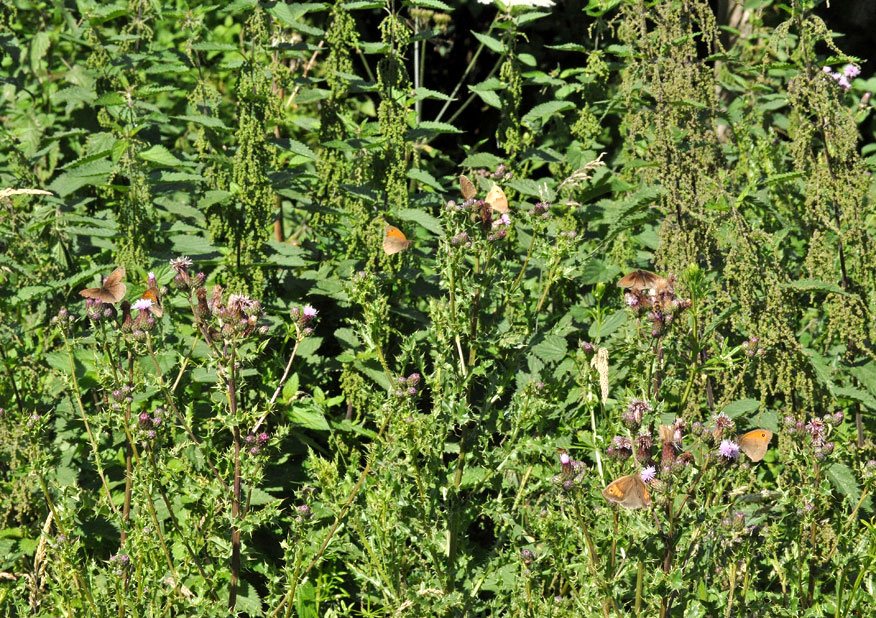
x=96, y=310
x=148, y=423
x=499, y=227
x=636, y=409
x=122, y=395
x=121, y=562
x=183, y=279
x=572, y=473
x=751, y=346
x=236, y=317
x=541, y=209
x=620, y=448
x=661, y=301
x=849, y=72
x=407, y=386
x=815, y=432
x=461, y=240
x=303, y=318
x=501, y=172
x=63, y=320
x=255, y=442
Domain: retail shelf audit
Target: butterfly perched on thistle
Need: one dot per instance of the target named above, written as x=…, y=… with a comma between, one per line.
x=111, y=291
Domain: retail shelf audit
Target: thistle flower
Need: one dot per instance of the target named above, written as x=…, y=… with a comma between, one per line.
x=648, y=474
x=528, y=556
x=566, y=464
x=728, y=449
x=850, y=71
x=143, y=304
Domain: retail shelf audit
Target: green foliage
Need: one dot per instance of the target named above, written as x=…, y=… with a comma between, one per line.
x=397, y=454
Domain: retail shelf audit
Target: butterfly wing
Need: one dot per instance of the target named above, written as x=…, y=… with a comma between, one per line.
x=497, y=199
x=467, y=188
x=629, y=491
x=394, y=240
x=154, y=295
x=113, y=289
x=638, y=280
x=755, y=443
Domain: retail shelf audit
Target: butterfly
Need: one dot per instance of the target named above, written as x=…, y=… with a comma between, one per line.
x=667, y=435
x=639, y=280
x=113, y=289
x=394, y=241
x=755, y=443
x=629, y=491
x=152, y=293
x=467, y=188
x=497, y=199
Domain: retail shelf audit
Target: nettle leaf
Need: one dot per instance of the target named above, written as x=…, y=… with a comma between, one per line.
x=843, y=479
x=305, y=413
x=422, y=218
x=493, y=44
x=546, y=110
x=426, y=178
x=207, y=121
x=425, y=93
x=481, y=160
x=858, y=395
x=160, y=155
x=740, y=407
x=433, y=4
x=552, y=349
x=814, y=285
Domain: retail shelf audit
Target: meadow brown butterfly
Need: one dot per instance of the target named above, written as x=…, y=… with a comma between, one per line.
x=629, y=491
x=394, y=241
x=152, y=293
x=639, y=280
x=497, y=199
x=112, y=291
x=755, y=443
x=467, y=188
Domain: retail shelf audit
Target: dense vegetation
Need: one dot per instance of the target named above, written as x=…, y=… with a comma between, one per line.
x=275, y=407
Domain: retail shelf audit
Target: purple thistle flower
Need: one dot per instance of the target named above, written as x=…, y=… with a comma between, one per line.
x=850, y=71
x=648, y=474
x=728, y=449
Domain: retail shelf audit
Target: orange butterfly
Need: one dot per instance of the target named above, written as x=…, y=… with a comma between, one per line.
x=629, y=491
x=497, y=199
x=154, y=294
x=394, y=240
x=755, y=443
x=467, y=188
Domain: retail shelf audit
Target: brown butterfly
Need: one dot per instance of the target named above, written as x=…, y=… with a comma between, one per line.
x=667, y=435
x=394, y=241
x=152, y=293
x=113, y=289
x=467, y=188
x=639, y=280
x=629, y=491
x=755, y=443
x=497, y=199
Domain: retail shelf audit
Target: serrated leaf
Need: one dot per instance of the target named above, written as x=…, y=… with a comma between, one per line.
x=207, y=121
x=857, y=394
x=740, y=407
x=437, y=127
x=489, y=42
x=813, y=285
x=159, y=155
x=306, y=414
x=426, y=178
x=843, y=479
x=552, y=349
x=481, y=159
x=425, y=93
x=546, y=110
x=422, y=218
